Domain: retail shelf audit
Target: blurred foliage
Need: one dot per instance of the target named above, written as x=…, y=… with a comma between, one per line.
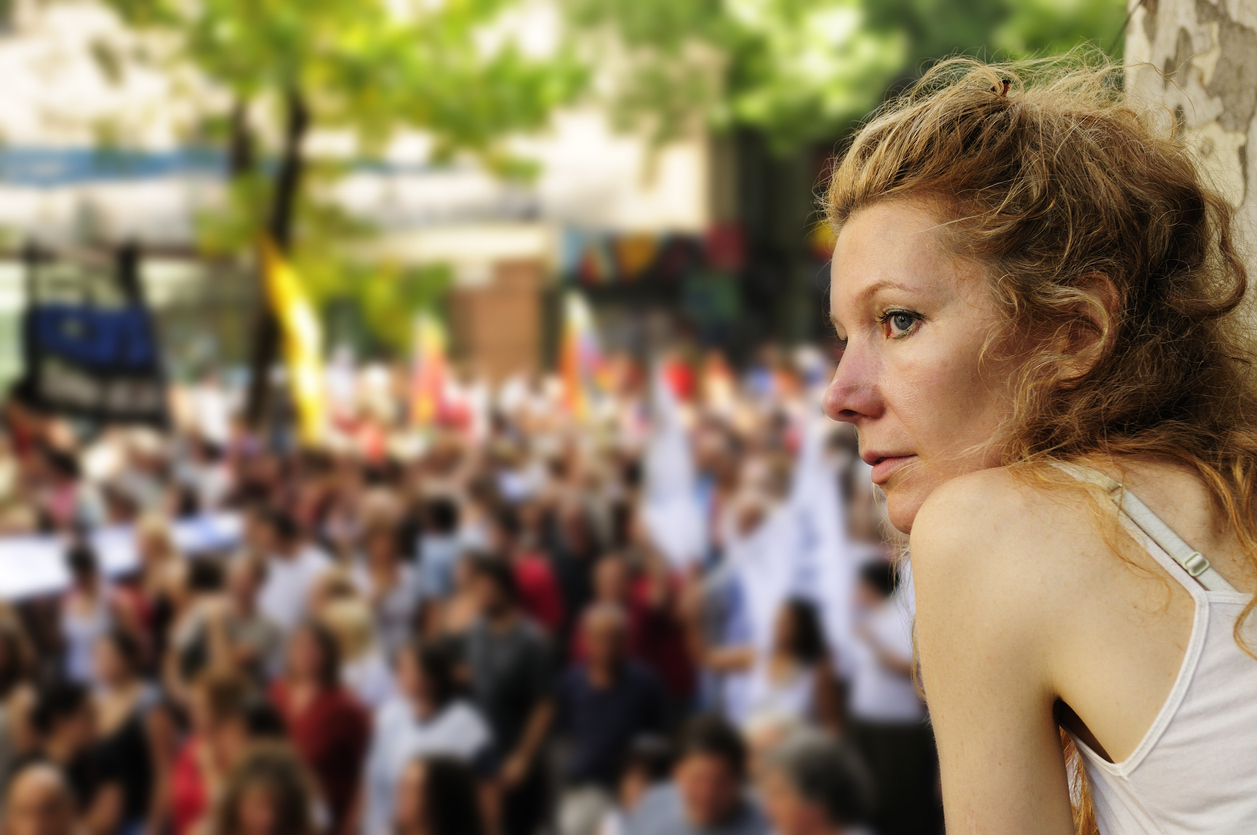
x=802, y=71
x=364, y=69
x=371, y=66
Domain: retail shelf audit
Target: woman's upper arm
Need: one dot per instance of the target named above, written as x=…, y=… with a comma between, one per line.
x=982, y=633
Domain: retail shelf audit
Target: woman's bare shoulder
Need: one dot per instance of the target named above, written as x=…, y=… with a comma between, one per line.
x=1011, y=539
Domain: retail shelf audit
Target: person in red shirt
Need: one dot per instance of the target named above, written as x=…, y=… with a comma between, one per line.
x=539, y=594
x=328, y=726
x=219, y=705
x=655, y=635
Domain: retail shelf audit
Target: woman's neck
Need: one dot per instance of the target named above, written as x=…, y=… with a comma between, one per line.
x=304, y=687
x=425, y=709
x=413, y=829
x=781, y=663
x=120, y=688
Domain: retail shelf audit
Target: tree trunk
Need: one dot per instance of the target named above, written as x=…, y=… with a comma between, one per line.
x=279, y=227
x=240, y=142
x=1207, y=50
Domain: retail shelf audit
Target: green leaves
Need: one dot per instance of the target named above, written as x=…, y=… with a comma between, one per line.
x=801, y=71
x=366, y=69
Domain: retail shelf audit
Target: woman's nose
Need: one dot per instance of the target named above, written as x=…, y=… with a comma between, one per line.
x=852, y=395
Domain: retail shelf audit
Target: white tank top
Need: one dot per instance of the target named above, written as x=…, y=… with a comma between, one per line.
x=1195, y=770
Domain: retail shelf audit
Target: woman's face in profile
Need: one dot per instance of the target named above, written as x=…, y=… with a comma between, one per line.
x=914, y=319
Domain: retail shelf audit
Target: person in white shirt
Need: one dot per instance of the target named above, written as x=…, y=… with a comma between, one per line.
x=293, y=567
x=888, y=723
x=425, y=718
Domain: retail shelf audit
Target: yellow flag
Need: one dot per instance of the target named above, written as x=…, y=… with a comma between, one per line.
x=302, y=343
x=427, y=390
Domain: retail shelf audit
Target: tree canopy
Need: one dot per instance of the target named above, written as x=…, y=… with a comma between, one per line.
x=801, y=71
x=454, y=71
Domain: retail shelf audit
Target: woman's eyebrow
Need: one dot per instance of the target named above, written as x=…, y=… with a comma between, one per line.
x=879, y=285
x=870, y=291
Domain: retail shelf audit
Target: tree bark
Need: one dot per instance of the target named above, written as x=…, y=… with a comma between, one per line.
x=280, y=228
x=240, y=143
x=1207, y=51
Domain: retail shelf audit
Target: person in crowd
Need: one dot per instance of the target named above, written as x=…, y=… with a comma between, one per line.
x=708, y=793
x=199, y=606
x=793, y=678
x=64, y=719
x=293, y=567
x=508, y=663
x=364, y=668
x=17, y=697
x=436, y=795
x=451, y=618
x=241, y=636
x=89, y=610
x=65, y=502
x=268, y=792
x=811, y=784
x=136, y=731
x=159, y=560
x=647, y=765
x=328, y=725
x=38, y=801
x=428, y=717
x=887, y=719
x=219, y=708
x=439, y=547
x=603, y=704
x=538, y=591
x=205, y=474
x=573, y=552
x=638, y=581
x=390, y=586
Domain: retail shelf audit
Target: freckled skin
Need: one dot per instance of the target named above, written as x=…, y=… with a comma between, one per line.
x=915, y=319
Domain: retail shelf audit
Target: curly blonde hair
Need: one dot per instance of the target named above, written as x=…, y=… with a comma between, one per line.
x=1093, y=219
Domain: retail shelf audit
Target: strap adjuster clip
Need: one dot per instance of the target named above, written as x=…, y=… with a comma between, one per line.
x=1196, y=564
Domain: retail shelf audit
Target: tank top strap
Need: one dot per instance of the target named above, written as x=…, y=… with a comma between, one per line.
x=1142, y=517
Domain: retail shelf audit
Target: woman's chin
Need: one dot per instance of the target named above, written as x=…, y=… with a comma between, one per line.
x=902, y=504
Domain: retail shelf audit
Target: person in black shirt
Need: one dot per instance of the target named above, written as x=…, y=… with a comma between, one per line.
x=135, y=728
x=508, y=665
x=65, y=721
x=604, y=703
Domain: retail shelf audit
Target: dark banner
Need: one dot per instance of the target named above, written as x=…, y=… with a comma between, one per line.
x=97, y=361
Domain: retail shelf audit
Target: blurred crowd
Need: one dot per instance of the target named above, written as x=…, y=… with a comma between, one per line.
x=469, y=628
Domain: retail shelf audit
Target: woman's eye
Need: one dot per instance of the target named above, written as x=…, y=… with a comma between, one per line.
x=900, y=323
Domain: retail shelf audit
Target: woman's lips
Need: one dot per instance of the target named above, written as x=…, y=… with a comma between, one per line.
x=885, y=467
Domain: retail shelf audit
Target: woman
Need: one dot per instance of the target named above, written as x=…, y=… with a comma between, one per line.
x=330, y=729
x=389, y=584
x=429, y=718
x=218, y=707
x=792, y=680
x=437, y=796
x=135, y=731
x=1038, y=300
x=267, y=793
x=364, y=668
x=452, y=618
x=195, y=593
x=159, y=557
x=89, y=609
